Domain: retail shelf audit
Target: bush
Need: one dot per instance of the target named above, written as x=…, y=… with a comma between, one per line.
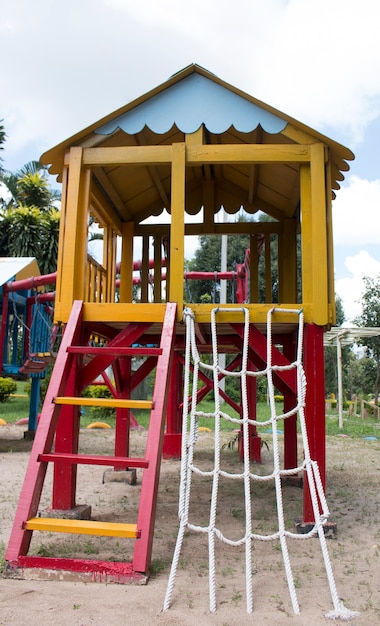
x=7, y=387
x=99, y=391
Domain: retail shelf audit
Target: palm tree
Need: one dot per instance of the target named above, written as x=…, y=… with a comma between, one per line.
x=29, y=186
x=29, y=220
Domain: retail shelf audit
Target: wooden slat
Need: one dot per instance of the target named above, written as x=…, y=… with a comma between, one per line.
x=82, y=527
x=90, y=459
x=114, y=351
x=112, y=403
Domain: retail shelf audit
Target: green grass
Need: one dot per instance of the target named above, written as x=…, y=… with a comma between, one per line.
x=17, y=407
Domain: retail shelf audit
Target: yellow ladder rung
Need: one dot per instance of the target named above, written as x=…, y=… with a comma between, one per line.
x=112, y=403
x=82, y=527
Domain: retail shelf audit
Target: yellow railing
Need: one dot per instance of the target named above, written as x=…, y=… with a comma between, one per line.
x=96, y=281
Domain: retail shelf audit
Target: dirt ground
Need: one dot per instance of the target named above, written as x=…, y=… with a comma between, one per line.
x=354, y=501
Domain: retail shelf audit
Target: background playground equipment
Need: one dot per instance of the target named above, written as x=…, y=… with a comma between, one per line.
x=190, y=146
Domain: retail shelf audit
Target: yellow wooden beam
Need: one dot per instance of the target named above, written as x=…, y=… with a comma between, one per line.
x=103, y=210
x=121, y=313
x=330, y=245
x=246, y=153
x=109, y=403
x=177, y=230
x=257, y=313
x=126, y=263
x=127, y=155
x=306, y=235
x=319, y=235
x=82, y=527
x=287, y=256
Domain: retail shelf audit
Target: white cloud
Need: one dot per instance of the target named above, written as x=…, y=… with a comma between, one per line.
x=350, y=289
x=317, y=61
x=356, y=213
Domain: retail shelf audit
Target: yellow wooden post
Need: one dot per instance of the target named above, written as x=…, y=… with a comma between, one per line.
x=306, y=236
x=62, y=232
x=177, y=231
x=145, y=269
x=157, y=288
x=126, y=264
x=74, y=241
x=268, y=269
x=254, y=269
x=319, y=234
x=330, y=246
x=287, y=257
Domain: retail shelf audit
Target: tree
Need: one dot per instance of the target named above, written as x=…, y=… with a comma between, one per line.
x=369, y=318
x=29, y=220
x=207, y=258
x=29, y=186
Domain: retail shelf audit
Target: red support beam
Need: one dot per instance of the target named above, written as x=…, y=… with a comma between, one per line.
x=314, y=407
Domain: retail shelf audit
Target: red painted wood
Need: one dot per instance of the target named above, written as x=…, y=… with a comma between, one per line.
x=315, y=407
x=122, y=372
x=285, y=380
x=43, y=441
x=130, y=335
x=117, y=351
x=173, y=435
x=290, y=424
x=254, y=441
x=149, y=486
x=102, y=571
x=91, y=459
x=67, y=441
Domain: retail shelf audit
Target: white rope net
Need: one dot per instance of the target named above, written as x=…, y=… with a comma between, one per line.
x=193, y=371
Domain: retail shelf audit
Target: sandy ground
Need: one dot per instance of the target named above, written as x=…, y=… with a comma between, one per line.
x=354, y=501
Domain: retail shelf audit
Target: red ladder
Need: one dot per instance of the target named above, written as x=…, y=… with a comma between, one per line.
x=60, y=422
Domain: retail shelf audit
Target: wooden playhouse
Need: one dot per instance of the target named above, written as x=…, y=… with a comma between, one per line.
x=190, y=146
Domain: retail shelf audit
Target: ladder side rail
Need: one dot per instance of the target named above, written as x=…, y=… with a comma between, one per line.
x=154, y=445
x=36, y=471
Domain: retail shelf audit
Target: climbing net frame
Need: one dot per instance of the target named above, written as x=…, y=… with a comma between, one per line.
x=193, y=365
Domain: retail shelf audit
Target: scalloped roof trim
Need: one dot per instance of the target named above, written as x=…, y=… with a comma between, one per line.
x=193, y=101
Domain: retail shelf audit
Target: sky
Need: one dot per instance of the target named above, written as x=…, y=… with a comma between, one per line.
x=67, y=64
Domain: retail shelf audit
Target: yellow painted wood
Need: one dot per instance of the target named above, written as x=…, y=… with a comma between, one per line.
x=157, y=285
x=62, y=231
x=319, y=235
x=246, y=153
x=268, y=269
x=196, y=138
x=145, y=270
x=115, y=207
x=126, y=264
x=102, y=211
x=112, y=403
x=124, y=155
x=66, y=254
x=287, y=255
x=306, y=234
x=177, y=235
x=121, y=313
x=330, y=247
x=82, y=527
x=254, y=270
x=258, y=313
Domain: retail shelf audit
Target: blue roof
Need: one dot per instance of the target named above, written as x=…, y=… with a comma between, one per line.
x=193, y=101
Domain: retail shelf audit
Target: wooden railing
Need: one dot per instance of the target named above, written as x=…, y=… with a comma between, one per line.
x=96, y=281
